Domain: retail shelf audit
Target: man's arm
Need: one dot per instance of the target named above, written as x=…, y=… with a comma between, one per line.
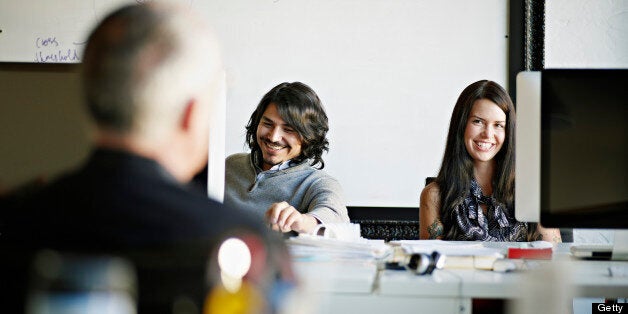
x=324, y=200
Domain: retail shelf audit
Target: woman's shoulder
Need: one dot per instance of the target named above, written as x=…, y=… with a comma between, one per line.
x=430, y=197
x=431, y=190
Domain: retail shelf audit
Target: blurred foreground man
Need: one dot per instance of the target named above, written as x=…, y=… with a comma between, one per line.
x=150, y=76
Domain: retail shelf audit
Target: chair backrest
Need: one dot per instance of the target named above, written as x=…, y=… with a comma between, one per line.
x=387, y=223
x=566, y=235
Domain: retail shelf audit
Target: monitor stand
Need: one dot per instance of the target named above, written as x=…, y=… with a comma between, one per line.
x=620, y=245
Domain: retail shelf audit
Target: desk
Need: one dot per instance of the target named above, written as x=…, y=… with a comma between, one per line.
x=362, y=287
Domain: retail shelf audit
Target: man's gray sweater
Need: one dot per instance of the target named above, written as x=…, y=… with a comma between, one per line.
x=306, y=188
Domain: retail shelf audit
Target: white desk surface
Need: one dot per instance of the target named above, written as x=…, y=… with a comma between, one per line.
x=337, y=276
x=588, y=278
x=591, y=278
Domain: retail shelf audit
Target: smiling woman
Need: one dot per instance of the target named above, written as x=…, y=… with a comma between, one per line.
x=485, y=131
x=472, y=197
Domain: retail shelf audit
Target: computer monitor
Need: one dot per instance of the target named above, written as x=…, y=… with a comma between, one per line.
x=582, y=149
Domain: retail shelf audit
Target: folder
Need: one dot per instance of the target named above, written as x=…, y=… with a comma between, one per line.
x=529, y=253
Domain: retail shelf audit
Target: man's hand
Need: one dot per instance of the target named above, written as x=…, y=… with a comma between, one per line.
x=283, y=217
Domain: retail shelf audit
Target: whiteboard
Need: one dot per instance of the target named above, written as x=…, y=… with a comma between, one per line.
x=48, y=31
x=388, y=72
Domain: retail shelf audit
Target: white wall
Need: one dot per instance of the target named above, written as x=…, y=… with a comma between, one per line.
x=389, y=106
x=388, y=73
x=586, y=34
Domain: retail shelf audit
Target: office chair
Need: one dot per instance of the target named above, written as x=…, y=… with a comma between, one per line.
x=387, y=223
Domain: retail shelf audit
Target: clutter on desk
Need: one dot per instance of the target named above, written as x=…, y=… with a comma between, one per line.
x=424, y=264
x=338, y=241
x=342, y=231
x=452, y=254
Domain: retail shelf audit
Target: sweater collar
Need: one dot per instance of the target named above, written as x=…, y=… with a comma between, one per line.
x=288, y=164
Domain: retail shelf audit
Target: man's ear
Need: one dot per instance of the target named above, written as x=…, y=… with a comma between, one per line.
x=189, y=113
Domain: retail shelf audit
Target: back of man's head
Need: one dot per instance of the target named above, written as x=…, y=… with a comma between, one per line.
x=142, y=64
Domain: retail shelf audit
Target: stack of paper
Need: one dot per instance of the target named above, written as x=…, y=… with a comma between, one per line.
x=309, y=246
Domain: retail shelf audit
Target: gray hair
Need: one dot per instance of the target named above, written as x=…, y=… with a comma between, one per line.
x=142, y=64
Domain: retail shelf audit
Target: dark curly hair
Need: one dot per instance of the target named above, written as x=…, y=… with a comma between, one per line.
x=299, y=106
